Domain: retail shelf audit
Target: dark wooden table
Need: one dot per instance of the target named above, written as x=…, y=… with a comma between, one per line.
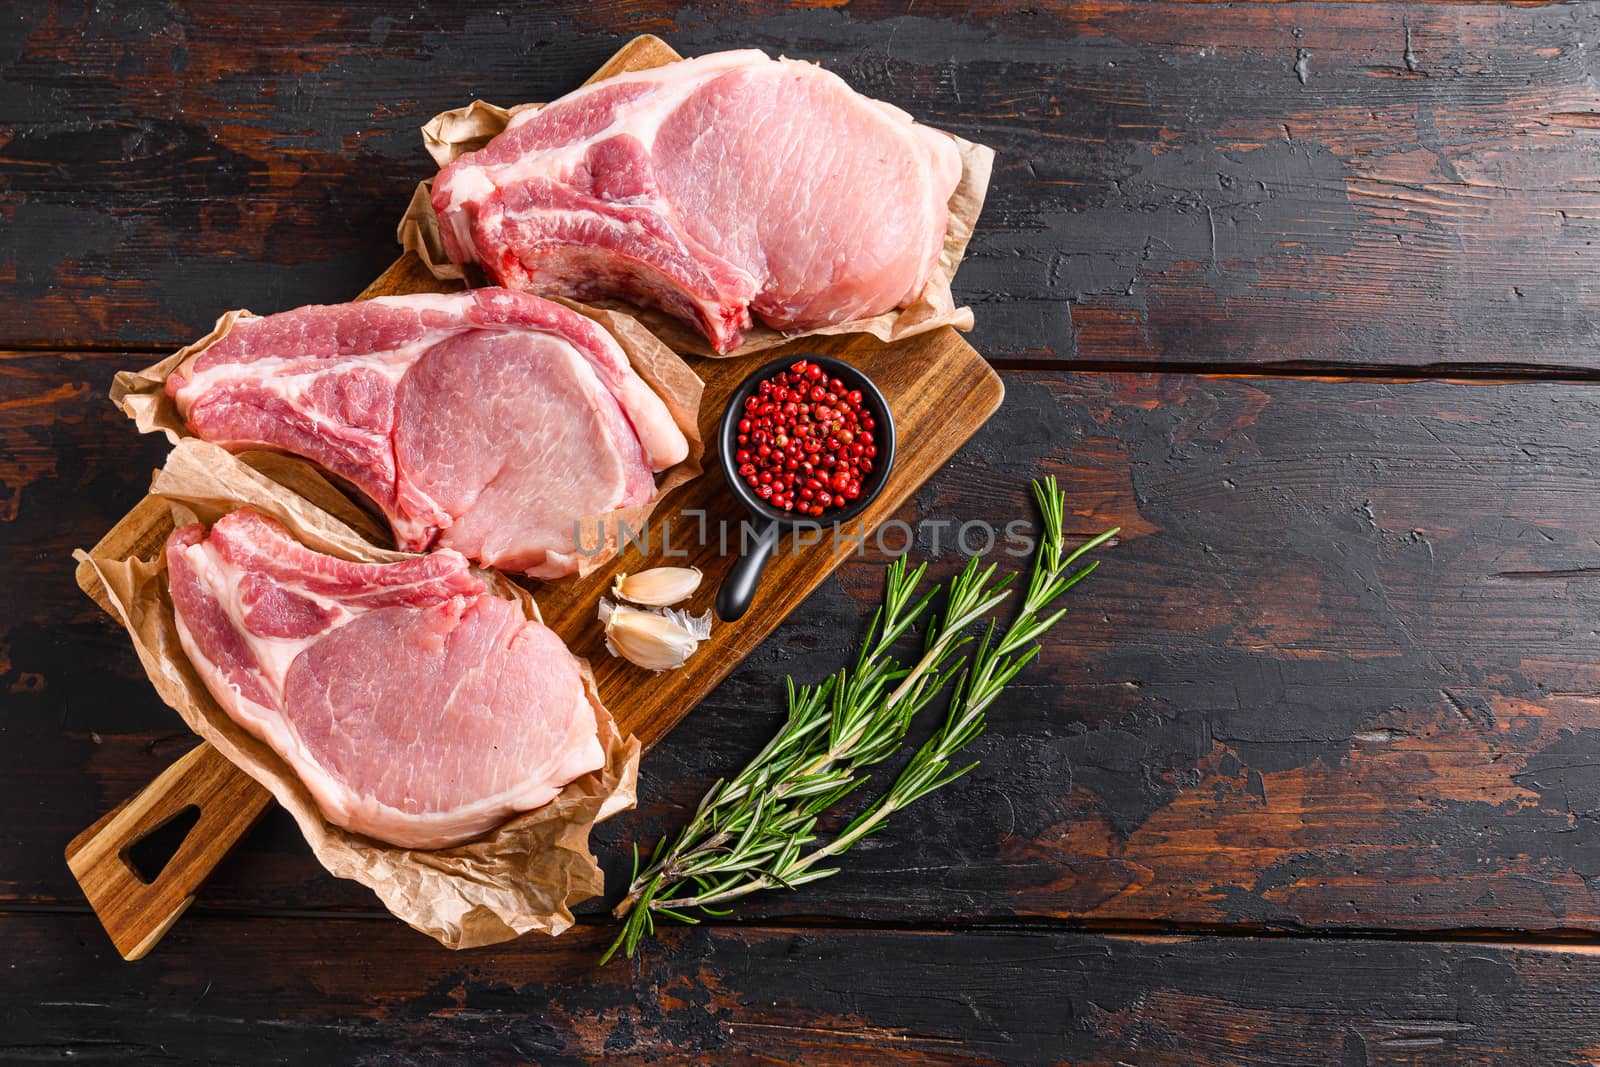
x=1306, y=299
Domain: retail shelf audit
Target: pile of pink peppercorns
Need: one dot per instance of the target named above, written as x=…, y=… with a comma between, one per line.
x=805, y=441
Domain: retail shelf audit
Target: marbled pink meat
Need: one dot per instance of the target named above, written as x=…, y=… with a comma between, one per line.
x=711, y=188
x=488, y=421
x=416, y=706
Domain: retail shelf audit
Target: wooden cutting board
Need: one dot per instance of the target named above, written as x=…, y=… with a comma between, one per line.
x=940, y=392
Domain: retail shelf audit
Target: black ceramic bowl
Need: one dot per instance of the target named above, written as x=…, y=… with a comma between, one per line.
x=739, y=586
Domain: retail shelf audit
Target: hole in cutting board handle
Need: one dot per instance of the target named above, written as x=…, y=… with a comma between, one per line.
x=150, y=855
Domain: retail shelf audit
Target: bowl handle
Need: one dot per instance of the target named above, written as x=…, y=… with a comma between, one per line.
x=738, y=587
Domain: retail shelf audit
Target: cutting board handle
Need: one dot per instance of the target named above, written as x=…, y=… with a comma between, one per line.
x=138, y=913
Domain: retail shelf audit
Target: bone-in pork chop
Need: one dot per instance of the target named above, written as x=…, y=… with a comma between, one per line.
x=710, y=188
x=416, y=706
x=488, y=421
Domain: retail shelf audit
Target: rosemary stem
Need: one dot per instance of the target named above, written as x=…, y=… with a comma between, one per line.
x=935, y=654
x=932, y=657
x=864, y=826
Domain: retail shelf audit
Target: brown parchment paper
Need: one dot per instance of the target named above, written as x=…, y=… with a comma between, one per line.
x=142, y=396
x=522, y=877
x=452, y=134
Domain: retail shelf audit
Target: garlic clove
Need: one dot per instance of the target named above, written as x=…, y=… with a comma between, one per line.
x=655, y=640
x=659, y=587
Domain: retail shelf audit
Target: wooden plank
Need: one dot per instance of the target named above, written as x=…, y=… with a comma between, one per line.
x=346, y=991
x=1339, y=675
x=1171, y=184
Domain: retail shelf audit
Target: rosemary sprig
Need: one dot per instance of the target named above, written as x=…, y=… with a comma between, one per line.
x=849, y=722
x=755, y=831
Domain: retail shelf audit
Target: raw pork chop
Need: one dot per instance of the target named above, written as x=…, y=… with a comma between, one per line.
x=487, y=421
x=416, y=706
x=711, y=188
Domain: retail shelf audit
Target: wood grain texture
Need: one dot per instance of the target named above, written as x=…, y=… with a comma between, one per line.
x=1338, y=679
x=349, y=991
x=1350, y=184
x=1339, y=674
